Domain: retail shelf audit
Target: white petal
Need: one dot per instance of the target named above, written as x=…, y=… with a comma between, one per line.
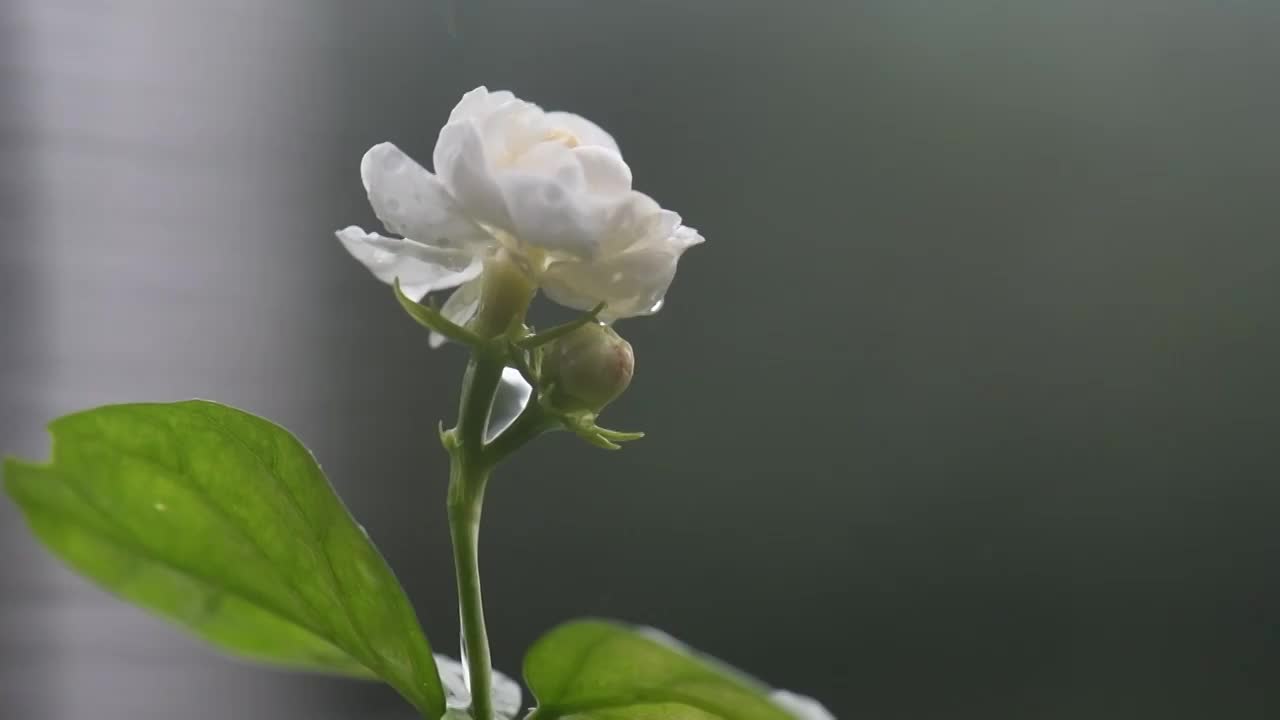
x=547, y=213
x=550, y=206
x=632, y=221
x=587, y=132
x=684, y=238
x=414, y=203
x=463, y=166
x=638, y=222
x=478, y=103
x=506, y=692
x=459, y=308
x=553, y=160
x=630, y=284
x=800, y=707
x=510, y=130
x=420, y=268
x=604, y=170
x=507, y=125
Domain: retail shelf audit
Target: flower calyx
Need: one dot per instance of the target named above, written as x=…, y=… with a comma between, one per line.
x=574, y=369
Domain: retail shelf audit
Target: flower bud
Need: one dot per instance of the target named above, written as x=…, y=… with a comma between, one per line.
x=590, y=367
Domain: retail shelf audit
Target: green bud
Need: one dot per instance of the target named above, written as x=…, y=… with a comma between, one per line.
x=590, y=367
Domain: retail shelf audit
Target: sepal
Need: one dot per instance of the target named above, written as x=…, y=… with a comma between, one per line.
x=583, y=424
x=431, y=318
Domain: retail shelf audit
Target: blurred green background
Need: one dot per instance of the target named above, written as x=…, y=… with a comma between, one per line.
x=968, y=408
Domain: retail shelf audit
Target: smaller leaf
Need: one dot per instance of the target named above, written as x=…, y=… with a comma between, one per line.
x=598, y=670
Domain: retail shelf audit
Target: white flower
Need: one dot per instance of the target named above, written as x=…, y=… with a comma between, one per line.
x=549, y=188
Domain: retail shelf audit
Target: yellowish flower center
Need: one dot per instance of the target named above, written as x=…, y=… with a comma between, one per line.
x=514, y=153
x=564, y=136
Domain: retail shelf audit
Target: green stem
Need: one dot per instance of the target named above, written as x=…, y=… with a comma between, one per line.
x=504, y=299
x=469, y=474
x=466, y=497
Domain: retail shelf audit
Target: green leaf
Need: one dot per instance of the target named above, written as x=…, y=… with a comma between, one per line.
x=224, y=523
x=597, y=670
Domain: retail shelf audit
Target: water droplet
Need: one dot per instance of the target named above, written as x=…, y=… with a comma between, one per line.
x=553, y=194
